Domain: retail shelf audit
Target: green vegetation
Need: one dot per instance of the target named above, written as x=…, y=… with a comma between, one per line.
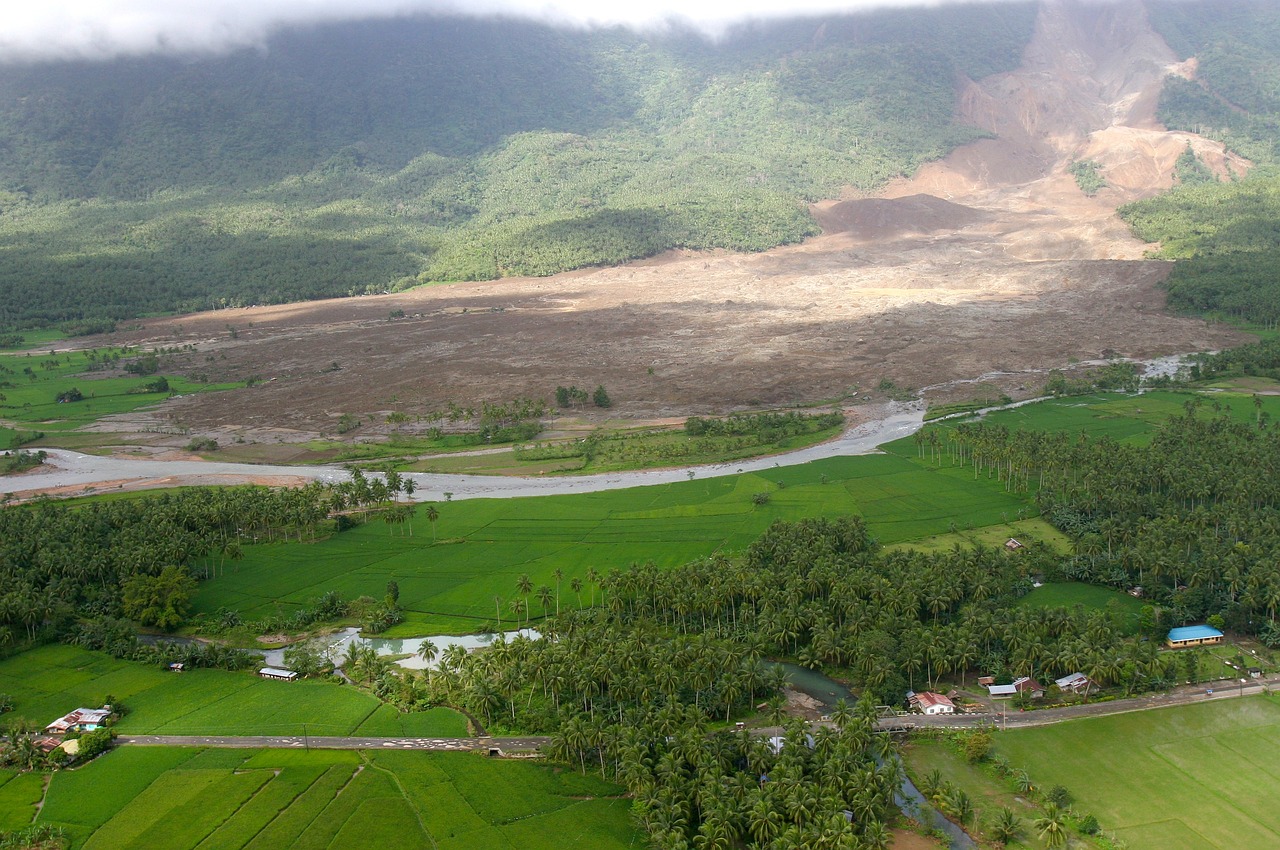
x=49, y=681
x=63, y=391
x=1188, y=777
x=702, y=441
x=345, y=159
x=449, y=575
x=1123, y=608
x=1223, y=234
x=1183, y=512
x=178, y=799
x=1088, y=178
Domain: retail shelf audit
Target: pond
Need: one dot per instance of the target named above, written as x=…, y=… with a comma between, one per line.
x=339, y=641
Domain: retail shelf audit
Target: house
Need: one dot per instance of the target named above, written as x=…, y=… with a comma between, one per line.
x=1075, y=683
x=931, y=703
x=177, y=667
x=1136, y=591
x=47, y=745
x=80, y=720
x=1255, y=672
x=986, y=681
x=1022, y=685
x=1012, y=544
x=1185, y=636
x=278, y=673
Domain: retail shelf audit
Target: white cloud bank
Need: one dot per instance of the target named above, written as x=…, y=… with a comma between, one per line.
x=36, y=29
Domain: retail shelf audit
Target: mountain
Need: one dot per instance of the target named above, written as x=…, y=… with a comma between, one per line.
x=1225, y=234
x=356, y=158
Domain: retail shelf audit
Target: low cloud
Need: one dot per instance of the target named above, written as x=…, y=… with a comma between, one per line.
x=96, y=29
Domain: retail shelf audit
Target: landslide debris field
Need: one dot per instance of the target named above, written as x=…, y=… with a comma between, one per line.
x=992, y=260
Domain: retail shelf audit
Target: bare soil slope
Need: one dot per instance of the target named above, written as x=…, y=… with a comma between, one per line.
x=991, y=260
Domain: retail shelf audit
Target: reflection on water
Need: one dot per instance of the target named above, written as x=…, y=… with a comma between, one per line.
x=339, y=641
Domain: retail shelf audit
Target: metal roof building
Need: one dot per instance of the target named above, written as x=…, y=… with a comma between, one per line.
x=1193, y=636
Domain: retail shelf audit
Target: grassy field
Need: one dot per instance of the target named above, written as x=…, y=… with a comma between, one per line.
x=1071, y=593
x=1198, y=777
x=47, y=682
x=181, y=799
x=1125, y=418
x=989, y=793
x=1025, y=531
x=482, y=546
x=30, y=385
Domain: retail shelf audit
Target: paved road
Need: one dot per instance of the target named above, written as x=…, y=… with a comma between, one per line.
x=507, y=745
x=1015, y=719
x=1007, y=720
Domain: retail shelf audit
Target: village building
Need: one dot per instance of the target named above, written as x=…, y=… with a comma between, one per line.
x=1185, y=636
x=930, y=703
x=1022, y=685
x=80, y=720
x=1075, y=683
x=1013, y=544
x=278, y=673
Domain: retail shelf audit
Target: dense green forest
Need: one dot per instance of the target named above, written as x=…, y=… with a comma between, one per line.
x=365, y=157
x=1225, y=235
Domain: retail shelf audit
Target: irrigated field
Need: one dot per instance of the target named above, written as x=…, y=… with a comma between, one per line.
x=180, y=799
x=1199, y=777
x=1125, y=418
x=448, y=576
x=47, y=682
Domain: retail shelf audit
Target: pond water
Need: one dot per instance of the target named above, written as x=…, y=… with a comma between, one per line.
x=339, y=641
x=827, y=692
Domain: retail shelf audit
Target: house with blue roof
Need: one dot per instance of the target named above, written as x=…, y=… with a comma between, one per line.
x=1185, y=636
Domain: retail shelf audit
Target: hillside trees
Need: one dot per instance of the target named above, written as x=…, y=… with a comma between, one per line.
x=358, y=159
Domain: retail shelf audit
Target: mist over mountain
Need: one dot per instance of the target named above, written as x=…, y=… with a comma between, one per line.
x=365, y=156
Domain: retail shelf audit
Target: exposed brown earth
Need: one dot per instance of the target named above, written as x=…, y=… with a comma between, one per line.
x=991, y=260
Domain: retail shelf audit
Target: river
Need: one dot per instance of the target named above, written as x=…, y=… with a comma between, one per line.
x=887, y=422
x=72, y=469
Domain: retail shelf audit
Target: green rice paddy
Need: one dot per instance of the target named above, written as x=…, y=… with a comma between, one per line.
x=181, y=799
x=448, y=576
x=1197, y=777
x=49, y=681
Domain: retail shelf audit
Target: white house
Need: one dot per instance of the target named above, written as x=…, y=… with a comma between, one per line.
x=931, y=703
x=1022, y=685
x=1075, y=683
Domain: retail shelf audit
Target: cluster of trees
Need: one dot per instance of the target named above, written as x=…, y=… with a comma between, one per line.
x=629, y=686
x=576, y=398
x=20, y=461
x=136, y=557
x=767, y=427
x=1223, y=234
x=354, y=160
x=1193, y=517
x=1088, y=176
x=1261, y=358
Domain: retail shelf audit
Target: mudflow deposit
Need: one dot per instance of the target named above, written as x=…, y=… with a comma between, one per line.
x=991, y=260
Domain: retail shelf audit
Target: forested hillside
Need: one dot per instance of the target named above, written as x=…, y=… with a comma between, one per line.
x=353, y=158
x=1228, y=234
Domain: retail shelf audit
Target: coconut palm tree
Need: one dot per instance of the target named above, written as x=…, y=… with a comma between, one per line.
x=1052, y=826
